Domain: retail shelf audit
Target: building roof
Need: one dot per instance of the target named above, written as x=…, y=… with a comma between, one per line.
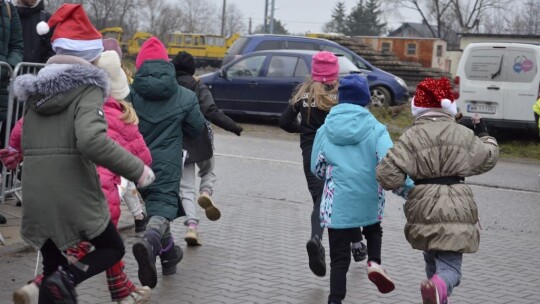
x=421, y=29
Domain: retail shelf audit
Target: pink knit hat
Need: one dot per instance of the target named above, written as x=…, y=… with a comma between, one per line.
x=152, y=49
x=324, y=67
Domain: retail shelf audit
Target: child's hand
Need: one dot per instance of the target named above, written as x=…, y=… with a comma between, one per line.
x=10, y=158
x=146, y=178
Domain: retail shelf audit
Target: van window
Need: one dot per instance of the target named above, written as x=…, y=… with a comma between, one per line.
x=238, y=46
x=282, y=66
x=522, y=66
x=247, y=67
x=268, y=45
x=297, y=45
x=485, y=64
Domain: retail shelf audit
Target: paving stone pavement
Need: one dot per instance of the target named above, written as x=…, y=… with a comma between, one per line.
x=256, y=254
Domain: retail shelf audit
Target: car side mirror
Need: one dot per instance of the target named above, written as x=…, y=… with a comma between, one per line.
x=223, y=74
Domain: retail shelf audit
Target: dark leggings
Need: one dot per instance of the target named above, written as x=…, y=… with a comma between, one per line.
x=340, y=255
x=109, y=249
x=315, y=187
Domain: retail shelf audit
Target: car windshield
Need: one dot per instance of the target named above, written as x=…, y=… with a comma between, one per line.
x=346, y=66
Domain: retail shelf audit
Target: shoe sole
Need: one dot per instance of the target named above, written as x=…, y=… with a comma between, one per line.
x=212, y=213
x=429, y=292
x=383, y=283
x=147, y=267
x=170, y=270
x=192, y=241
x=315, y=264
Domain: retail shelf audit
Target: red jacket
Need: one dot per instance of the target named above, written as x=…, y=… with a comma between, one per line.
x=126, y=135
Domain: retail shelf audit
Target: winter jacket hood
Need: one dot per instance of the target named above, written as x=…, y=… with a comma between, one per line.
x=348, y=124
x=49, y=87
x=155, y=80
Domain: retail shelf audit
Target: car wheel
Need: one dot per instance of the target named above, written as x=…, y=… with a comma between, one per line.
x=380, y=97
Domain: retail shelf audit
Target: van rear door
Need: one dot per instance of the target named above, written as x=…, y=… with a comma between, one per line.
x=482, y=80
x=523, y=80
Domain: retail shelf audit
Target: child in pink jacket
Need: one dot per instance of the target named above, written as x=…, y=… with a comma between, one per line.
x=122, y=128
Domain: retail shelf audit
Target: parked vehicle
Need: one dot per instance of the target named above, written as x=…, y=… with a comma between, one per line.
x=261, y=83
x=208, y=50
x=499, y=81
x=386, y=89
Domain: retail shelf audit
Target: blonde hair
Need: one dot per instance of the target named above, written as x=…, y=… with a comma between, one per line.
x=129, y=115
x=323, y=95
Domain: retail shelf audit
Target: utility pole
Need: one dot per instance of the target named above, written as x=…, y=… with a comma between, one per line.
x=223, y=18
x=249, y=27
x=272, y=17
x=265, y=27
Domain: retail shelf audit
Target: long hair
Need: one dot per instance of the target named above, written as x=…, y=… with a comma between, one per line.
x=129, y=115
x=323, y=95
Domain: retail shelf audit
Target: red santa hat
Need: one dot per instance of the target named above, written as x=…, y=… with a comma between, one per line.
x=433, y=94
x=73, y=32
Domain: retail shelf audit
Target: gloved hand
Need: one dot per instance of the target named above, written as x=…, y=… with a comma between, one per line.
x=238, y=131
x=479, y=127
x=147, y=177
x=11, y=158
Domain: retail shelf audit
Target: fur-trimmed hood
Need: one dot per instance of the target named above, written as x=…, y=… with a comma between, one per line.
x=59, y=78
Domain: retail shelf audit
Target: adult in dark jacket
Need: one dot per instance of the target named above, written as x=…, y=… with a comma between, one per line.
x=166, y=113
x=199, y=150
x=11, y=52
x=37, y=48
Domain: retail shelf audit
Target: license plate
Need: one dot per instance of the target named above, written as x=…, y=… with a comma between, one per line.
x=481, y=108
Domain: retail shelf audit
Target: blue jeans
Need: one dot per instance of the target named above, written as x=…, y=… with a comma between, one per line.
x=447, y=265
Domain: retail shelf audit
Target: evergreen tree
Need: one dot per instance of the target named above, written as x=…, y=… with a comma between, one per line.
x=364, y=20
x=337, y=24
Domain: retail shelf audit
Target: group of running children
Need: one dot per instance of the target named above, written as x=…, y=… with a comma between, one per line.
x=77, y=118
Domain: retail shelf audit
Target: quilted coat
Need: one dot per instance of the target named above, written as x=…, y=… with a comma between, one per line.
x=439, y=217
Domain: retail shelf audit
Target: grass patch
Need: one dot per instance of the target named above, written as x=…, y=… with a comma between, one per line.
x=511, y=145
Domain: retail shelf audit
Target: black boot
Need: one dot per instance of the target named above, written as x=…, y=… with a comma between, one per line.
x=2, y=219
x=315, y=250
x=145, y=251
x=60, y=288
x=170, y=256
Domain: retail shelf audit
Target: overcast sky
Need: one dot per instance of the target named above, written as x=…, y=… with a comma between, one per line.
x=301, y=16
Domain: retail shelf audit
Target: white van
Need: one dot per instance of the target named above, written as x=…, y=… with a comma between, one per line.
x=499, y=81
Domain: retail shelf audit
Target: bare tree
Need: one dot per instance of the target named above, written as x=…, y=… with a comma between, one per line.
x=469, y=13
x=526, y=21
x=233, y=20
x=199, y=17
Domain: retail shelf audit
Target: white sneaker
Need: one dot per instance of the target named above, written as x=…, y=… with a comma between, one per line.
x=139, y=296
x=28, y=294
x=378, y=276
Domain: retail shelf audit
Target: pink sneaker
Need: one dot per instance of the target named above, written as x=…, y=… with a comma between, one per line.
x=434, y=291
x=378, y=276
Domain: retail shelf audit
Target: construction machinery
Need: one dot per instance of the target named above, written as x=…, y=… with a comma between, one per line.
x=208, y=50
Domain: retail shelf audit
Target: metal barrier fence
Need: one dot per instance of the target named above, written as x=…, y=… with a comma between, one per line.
x=11, y=183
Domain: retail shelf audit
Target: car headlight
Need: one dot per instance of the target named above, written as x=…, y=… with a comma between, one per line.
x=401, y=82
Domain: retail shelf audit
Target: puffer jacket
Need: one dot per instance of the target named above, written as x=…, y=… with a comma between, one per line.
x=127, y=136
x=167, y=112
x=64, y=137
x=345, y=154
x=439, y=217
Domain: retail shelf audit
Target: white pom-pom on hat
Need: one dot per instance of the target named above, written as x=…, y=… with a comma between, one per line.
x=42, y=28
x=446, y=103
